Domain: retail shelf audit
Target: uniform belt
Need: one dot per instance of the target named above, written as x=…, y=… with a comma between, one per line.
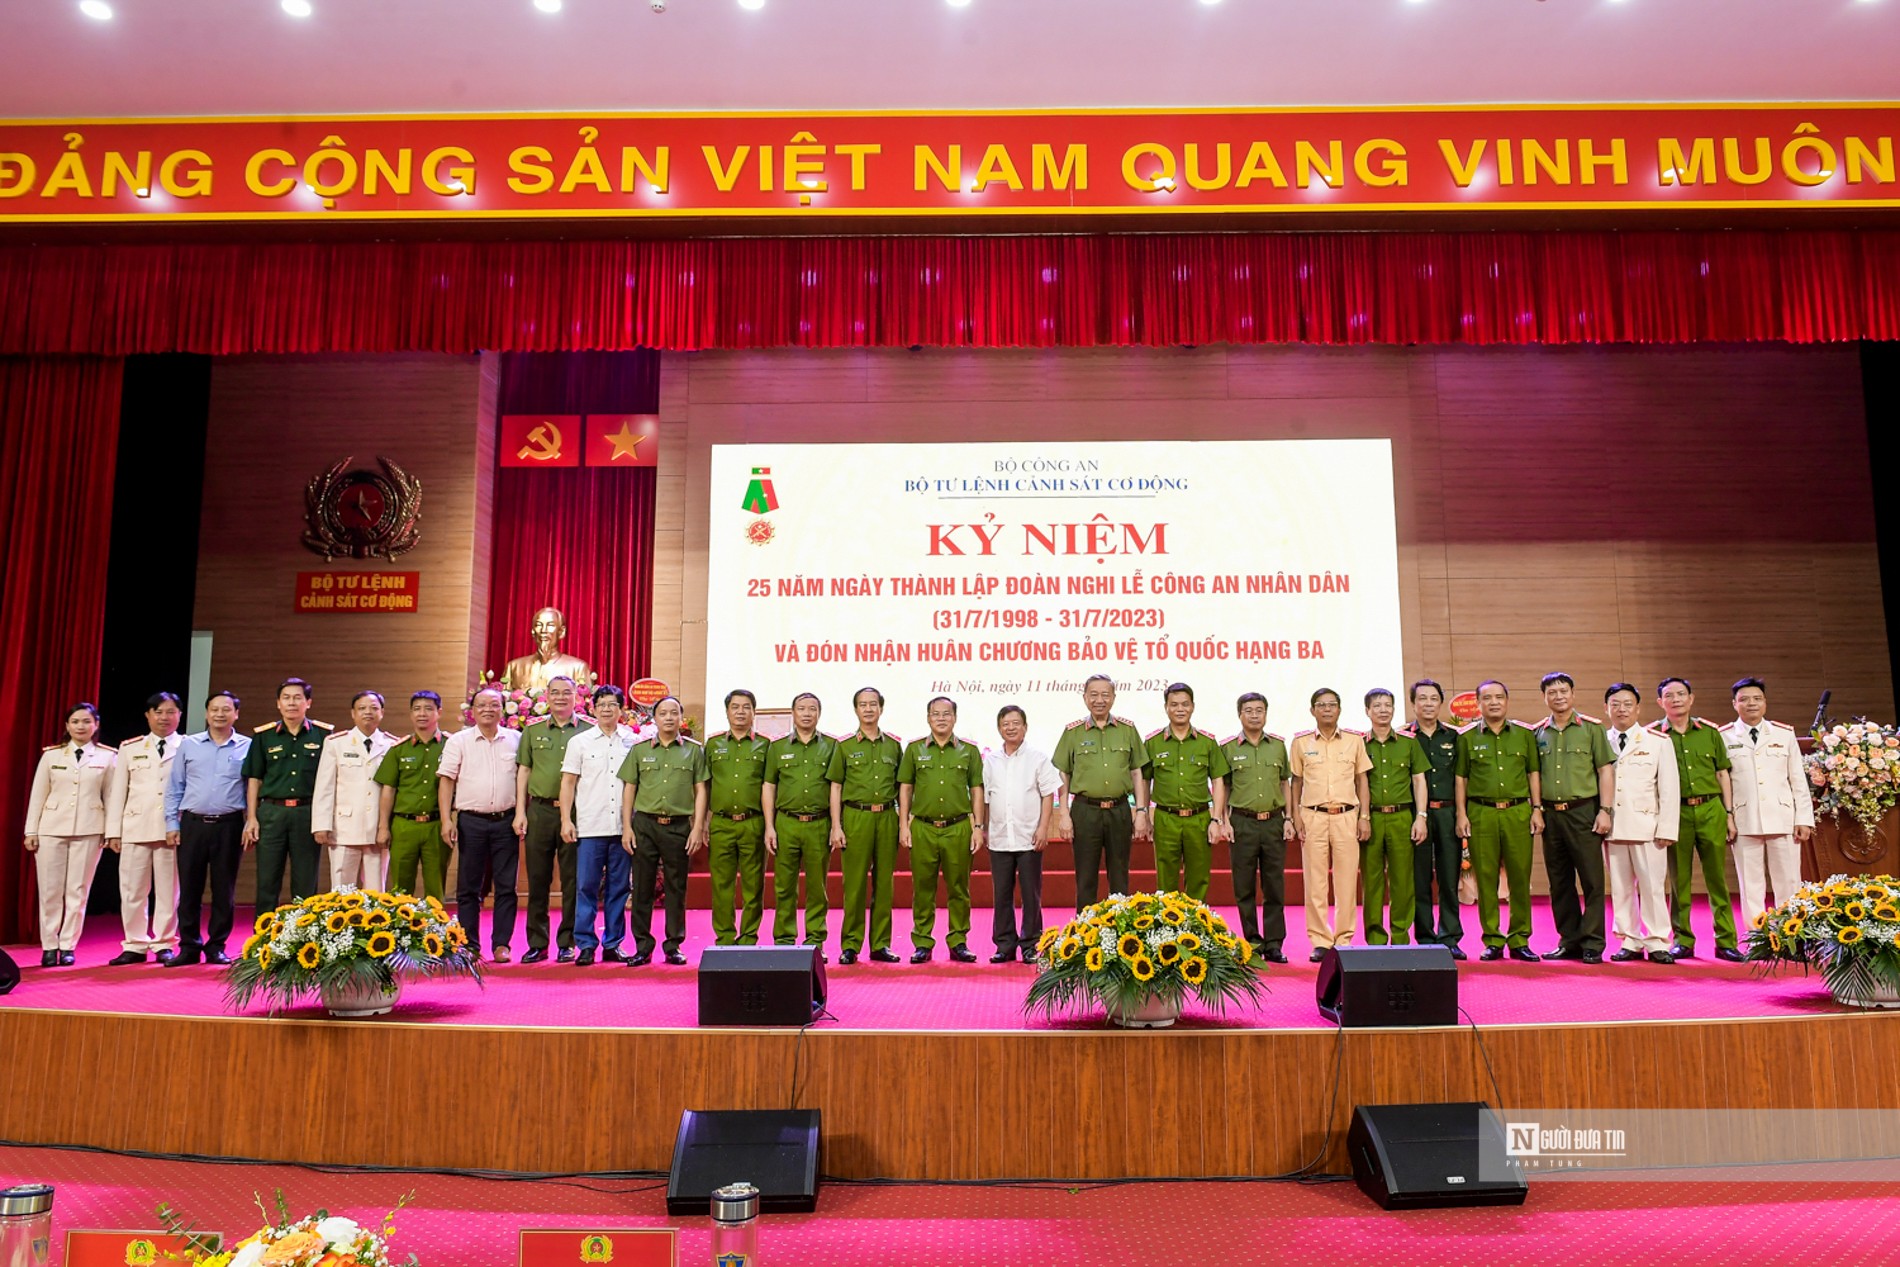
x=1510, y=804
x=1561, y=806
x=803, y=818
x=869, y=807
x=418, y=818
x=207, y=818
x=737, y=815
x=1262, y=815
x=1697, y=800
x=545, y=800
x=1181, y=811
x=1098, y=802
x=664, y=820
x=1392, y=809
x=1330, y=809
x=951, y=821
x=1437, y=804
x=287, y=802
x=489, y=815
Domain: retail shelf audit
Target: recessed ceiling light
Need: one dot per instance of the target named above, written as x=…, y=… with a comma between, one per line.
x=548, y=6
x=751, y=4
x=297, y=8
x=97, y=10
x=958, y=4
x=1210, y=2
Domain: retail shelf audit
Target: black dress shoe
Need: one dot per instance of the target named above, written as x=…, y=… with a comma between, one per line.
x=848, y=957
x=1029, y=956
x=1728, y=954
x=1003, y=956
x=534, y=956
x=67, y=958
x=1524, y=954
x=585, y=959
x=125, y=957
x=1682, y=952
x=1492, y=954
x=49, y=959
x=566, y=955
x=881, y=955
x=1565, y=952
x=184, y=959
x=1317, y=955
x=1457, y=952
x=217, y=958
x=640, y=960
x=611, y=954
x=675, y=958
x=1626, y=956
x=1591, y=956
x=920, y=956
x=1273, y=954
x=1661, y=956
x=962, y=954
x=164, y=956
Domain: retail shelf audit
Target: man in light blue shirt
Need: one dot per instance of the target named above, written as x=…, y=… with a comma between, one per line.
x=204, y=818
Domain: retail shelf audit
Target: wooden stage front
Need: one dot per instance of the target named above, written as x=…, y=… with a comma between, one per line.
x=922, y=1105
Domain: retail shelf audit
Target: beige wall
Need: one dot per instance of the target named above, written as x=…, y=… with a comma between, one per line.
x=1617, y=513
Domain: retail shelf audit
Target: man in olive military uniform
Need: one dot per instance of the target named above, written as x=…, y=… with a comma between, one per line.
x=1189, y=772
x=280, y=774
x=1395, y=787
x=1258, y=789
x=1706, y=827
x=863, y=775
x=1440, y=856
x=538, y=818
x=1498, y=783
x=1579, y=788
x=662, y=820
x=1102, y=761
x=941, y=804
x=797, y=799
x=411, y=826
x=736, y=759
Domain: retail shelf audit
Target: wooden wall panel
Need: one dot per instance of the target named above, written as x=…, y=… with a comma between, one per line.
x=1065, y=1104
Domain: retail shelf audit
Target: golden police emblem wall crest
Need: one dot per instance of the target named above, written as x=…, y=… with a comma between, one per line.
x=362, y=513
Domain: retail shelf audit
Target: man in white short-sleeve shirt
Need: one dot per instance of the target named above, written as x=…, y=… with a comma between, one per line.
x=1019, y=783
x=590, y=816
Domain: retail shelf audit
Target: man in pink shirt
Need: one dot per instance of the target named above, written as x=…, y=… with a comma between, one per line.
x=476, y=785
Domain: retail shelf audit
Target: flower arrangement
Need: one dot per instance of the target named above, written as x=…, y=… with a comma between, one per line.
x=1855, y=768
x=518, y=706
x=319, y=1240
x=1848, y=926
x=1125, y=951
x=353, y=937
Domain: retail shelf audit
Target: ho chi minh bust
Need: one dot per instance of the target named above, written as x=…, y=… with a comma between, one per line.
x=548, y=661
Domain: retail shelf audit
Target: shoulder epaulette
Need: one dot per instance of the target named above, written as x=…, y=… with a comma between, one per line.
x=1658, y=727
x=1703, y=721
x=1348, y=730
x=1232, y=739
x=1301, y=734
x=105, y=747
x=1542, y=724
x=533, y=721
x=1468, y=727
x=1594, y=721
x=896, y=739
x=269, y=725
x=1409, y=729
x=1154, y=734
x=320, y=725
x=1205, y=734
x=717, y=734
x=1523, y=725
x=1776, y=725
x=1077, y=725
x=1122, y=721
x=55, y=747
x=1268, y=734
x=689, y=739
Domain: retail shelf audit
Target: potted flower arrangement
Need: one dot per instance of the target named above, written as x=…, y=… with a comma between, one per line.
x=319, y=1240
x=1848, y=926
x=519, y=706
x=1140, y=957
x=353, y=947
x=1855, y=770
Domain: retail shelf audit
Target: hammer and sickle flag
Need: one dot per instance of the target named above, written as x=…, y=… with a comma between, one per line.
x=540, y=440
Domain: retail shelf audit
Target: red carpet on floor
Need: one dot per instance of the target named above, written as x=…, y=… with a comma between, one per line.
x=944, y=995
x=1838, y=1215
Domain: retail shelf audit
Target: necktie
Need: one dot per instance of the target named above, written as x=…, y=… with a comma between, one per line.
x=366, y=745
x=161, y=750
x=1753, y=735
x=79, y=756
x=1622, y=740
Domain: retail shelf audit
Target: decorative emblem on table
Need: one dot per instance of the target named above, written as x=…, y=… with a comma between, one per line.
x=141, y=1253
x=597, y=1249
x=363, y=513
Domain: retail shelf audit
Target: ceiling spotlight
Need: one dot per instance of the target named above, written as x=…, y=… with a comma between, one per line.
x=548, y=6
x=1210, y=2
x=751, y=4
x=297, y=8
x=958, y=4
x=97, y=10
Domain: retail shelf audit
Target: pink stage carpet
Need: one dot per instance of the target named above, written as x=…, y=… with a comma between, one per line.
x=943, y=995
x=1838, y=1215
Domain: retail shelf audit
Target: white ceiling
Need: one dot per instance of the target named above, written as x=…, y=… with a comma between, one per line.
x=187, y=57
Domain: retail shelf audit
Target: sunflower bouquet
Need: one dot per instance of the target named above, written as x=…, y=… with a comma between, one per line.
x=1848, y=926
x=1125, y=951
x=359, y=937
x=318, y=1240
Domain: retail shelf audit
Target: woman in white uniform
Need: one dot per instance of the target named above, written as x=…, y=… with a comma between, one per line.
x=65, y=828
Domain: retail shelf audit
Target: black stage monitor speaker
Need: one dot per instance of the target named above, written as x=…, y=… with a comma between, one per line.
x=774, y=1150
x=1418, y=1156
x=761, y=985
x=1388, y=985
x=9, y=973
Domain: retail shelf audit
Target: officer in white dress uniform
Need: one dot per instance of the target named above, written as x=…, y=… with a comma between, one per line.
x=65, y=827
x=135, y=830
x=1644, y=822
x=1774, y=811
x=345, y=809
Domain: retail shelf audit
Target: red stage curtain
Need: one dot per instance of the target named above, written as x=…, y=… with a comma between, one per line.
x=59, y=435
x=580, y=539
x=1038, y=291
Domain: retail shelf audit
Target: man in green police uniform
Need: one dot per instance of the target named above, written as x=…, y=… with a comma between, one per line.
x=1102, y=761
x=863, y=775
x=1258, y=784
x=1189, y=769
x=1497, y=784
x=411, y=827
x=1579, y=787
x=1396, y=787
x=280, y=775
x=1706, y=826
x=1441, y=854
x=941, y=807
x=538, y=818
x=662, y=820
x=736, y=759
x=798, y=823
